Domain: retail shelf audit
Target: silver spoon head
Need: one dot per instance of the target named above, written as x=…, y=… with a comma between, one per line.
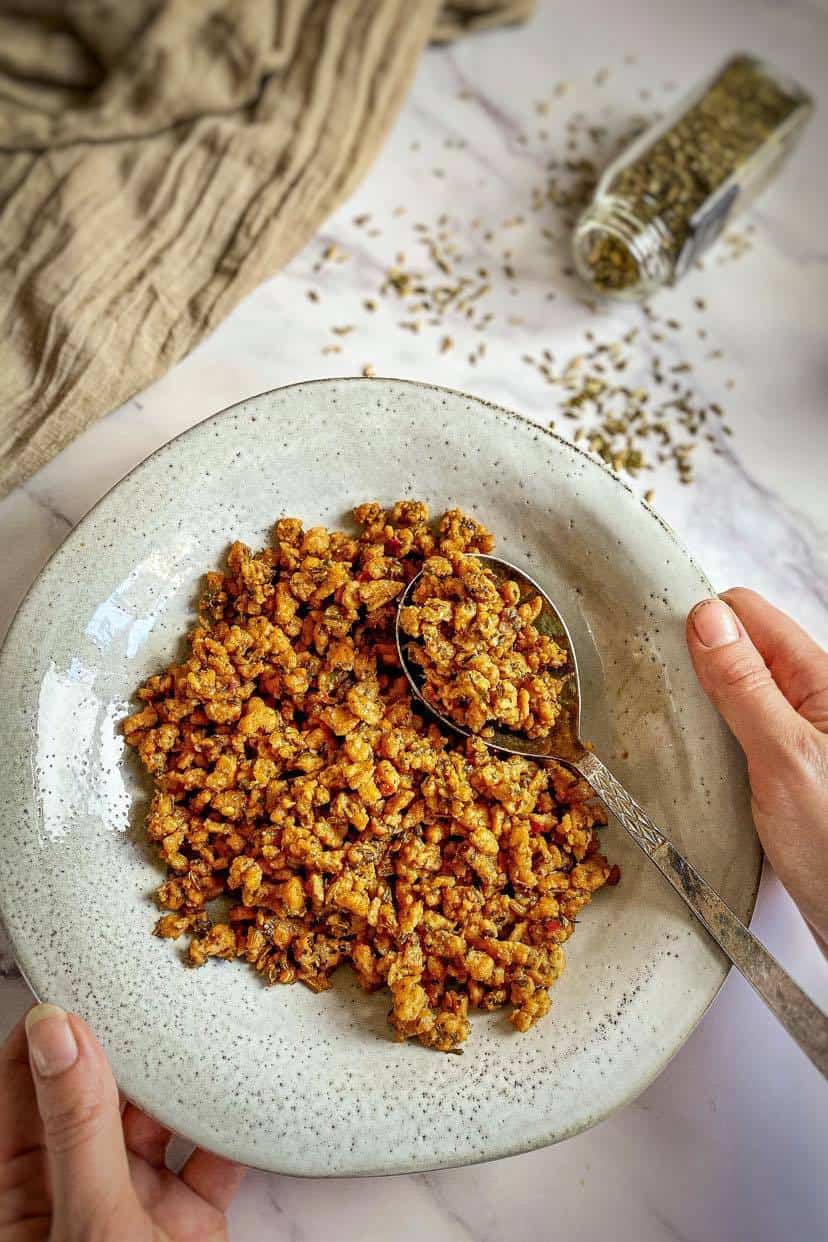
x=564, y=740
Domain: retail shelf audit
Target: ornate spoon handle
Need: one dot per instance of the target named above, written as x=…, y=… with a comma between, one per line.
x=806, y=1023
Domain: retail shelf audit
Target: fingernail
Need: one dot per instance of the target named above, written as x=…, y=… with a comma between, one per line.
x=52, y=1042
x=714, y=623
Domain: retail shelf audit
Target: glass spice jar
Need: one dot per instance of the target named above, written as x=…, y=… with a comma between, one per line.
x=666, y=198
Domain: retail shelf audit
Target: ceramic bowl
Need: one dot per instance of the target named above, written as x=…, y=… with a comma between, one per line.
x=313, y=1084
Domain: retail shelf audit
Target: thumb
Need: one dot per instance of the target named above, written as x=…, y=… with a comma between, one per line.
x=738, y=681
x=78, y=1102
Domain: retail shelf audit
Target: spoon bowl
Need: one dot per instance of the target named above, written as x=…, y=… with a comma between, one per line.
x=563, y=742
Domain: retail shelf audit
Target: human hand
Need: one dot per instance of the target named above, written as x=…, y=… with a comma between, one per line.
x=769, y=680
x=75, y=1166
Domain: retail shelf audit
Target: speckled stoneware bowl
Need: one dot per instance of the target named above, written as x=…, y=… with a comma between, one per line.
x=281, y=1078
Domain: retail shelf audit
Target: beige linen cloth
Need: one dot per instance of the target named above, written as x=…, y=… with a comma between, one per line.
x=158, y=159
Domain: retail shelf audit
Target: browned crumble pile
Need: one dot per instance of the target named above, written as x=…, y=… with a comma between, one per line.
x=293, y=772
x=482, y=657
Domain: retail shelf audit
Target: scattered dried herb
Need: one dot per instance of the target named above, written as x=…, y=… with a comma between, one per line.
x=630, y=400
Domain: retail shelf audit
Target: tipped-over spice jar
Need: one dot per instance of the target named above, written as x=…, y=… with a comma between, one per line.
x=663, y=202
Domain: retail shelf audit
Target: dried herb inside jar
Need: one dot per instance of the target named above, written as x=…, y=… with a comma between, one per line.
x=665, y=200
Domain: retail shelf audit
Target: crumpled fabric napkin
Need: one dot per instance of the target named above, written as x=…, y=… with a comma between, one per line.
x=158, y=159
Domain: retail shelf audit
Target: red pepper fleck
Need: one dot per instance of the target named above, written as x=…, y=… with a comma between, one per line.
x=614, y=875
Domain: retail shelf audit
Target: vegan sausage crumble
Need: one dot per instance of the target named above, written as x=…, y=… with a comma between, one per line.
x=294, y=773
x=483, y=661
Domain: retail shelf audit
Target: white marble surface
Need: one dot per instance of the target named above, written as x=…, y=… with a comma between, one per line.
x=729, y=1144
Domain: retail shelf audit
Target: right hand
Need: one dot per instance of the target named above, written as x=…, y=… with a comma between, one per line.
x=769, y=680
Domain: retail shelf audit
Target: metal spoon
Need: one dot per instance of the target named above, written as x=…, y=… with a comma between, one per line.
x=796, y=1011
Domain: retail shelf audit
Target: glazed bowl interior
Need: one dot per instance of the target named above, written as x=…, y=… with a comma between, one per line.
x=313, y=1084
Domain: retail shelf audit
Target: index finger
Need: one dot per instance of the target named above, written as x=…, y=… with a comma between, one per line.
x=213, y=1178
x=798, y=665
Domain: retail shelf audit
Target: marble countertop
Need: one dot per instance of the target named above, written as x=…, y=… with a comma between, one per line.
x=729, y=1143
